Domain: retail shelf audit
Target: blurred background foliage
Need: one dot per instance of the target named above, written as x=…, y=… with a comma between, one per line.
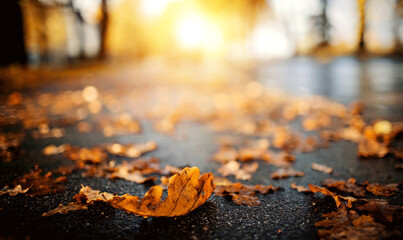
x=60, y=32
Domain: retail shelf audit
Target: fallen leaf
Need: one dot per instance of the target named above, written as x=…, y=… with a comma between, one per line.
x=82, y=155
x=122, y=125
x=132, y=171
x=222, y=182
x=369, y=145
x=123, y=172
x=83, y=199
x=226, y=154
x=229, y=168
x=382, y=190
x=345, y=224
x=349, y=186
x=243, y=194
x=132, y=150
x=336, y=197
x=246, y=170
x=322, y=168
x=367, y=223
x=88, y=195
x=234, y=168
x=186, y=192
x=63, y=209
x=42, y=184
x=286, y=173
x=53, y=150
x=13, y=191
x=380, y=209
x=309, y=144
x=299, y=188
x=279, y=159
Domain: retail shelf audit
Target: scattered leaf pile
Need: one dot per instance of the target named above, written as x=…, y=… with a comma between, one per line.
x=186, y=192
x=246, y=109
x=358, y=218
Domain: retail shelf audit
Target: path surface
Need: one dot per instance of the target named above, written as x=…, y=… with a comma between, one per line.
x=378, y=83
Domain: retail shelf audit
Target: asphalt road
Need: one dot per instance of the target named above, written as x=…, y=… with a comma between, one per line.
x=378, y=83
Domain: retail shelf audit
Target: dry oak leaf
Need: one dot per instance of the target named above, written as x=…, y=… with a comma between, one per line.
x=381, y=209
x=322, y=168
x=285, y=173
x=243, y=194
x=13, y=191
x=369, y=146
x=80, y=155
x=382, y=190
x=349, y=186
x=63, y=209
x=279, y=159
x=42, y=184
x=299, y=188
x=336, y=197
x=132, y=150
x=345, y=224
x=85, y=197
x=186, y=192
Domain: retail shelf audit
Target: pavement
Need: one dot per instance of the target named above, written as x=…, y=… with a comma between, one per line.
x=285, y=214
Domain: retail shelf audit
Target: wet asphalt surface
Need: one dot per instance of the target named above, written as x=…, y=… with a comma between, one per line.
x=378, y=83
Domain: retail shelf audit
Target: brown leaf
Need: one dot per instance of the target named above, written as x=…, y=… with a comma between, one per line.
x=186, y=192
x=255, y=150
x=336, y=197
x=322, y=168
x=350, y=224
x=349, y=186
x=309, y=144
x=132, y=171
x=246, y=170
x=123, y=172
x=222, y=182
x=42, y=184
x=369, y=145
x=285, y=139
x=286, y=173
x=382, y=190
x=234, y=168
x=279, y=159
x=132, y=150
x=82, y=155
x=249, y=200
x=13, y=191
x=53, y=150
x=299, y=188
x=88, y=195
x=243, y=194
x=9, y=145
x=63, y=209
x=345, y=224
x=226, y=154
x=380, y=209
x=229, y=168
x=122, y=125
x=83, y=199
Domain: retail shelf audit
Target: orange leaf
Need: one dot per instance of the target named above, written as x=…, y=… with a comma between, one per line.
x=186, y=192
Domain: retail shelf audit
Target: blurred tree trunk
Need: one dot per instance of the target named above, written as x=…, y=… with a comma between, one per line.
x=361, y=9
x=103, y=30
x=12, y=48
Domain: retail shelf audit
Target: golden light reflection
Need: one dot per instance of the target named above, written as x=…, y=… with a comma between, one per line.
x=196, y=32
